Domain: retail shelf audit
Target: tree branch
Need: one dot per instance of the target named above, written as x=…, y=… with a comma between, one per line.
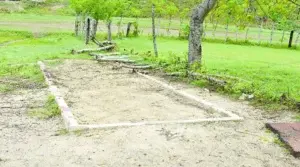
x=295, y=3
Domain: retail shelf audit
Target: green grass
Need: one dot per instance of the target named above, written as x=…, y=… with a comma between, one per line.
x=50, y=110
x=268, y=73
x=34, y=18
x=18, y=60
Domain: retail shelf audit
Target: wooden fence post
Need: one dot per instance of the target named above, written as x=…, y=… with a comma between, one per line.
x=272, y=32
x=282, y=38
x=297, y=39
x=246, y=37
x=259, y=35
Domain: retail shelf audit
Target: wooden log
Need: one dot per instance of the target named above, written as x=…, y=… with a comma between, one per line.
x=97, y=42
x=106, y=54
x=93, y=50
x=136, y=67
x=115, y=60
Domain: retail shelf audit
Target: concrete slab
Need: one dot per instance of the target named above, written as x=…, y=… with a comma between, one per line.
x=289, y=133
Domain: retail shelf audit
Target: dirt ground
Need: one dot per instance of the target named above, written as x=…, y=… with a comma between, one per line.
x=100, y=94
x=27, y=141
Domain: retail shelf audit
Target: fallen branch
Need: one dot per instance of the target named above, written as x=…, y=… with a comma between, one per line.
x=92, y=50
x=115, y=60
x=210, y=79
x=174, y=74
x=97, y=42
x=136, y=67
x=108, y=43
x=114, y=54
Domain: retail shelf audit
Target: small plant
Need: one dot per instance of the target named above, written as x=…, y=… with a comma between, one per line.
x=62, y=132
x=136, y=30
x=50, y=110
x=184, y=32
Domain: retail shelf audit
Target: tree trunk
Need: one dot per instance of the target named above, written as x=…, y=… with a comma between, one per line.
x=119, y=27
x=291, y=38
x=297, y=39
x=169, y=26
x=215, y=29
x=282, y=38
x=87, y=31
x=196, y=30
x=246, y=36
x=94, y=29
x=153, y=31
x=77, y=25
x=272, y=33
x=236, y=33
x=227, y=28
x=260, y=31
x=83, y=24
x=109, y=37
x=128, y=29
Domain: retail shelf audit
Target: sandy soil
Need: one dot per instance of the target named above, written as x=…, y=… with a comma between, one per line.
x=30, y=142
x=100, y=94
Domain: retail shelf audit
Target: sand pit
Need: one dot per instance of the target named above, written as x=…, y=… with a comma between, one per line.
x=101, y=94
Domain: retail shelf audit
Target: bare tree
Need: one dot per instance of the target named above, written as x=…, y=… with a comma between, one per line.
x=196, y=29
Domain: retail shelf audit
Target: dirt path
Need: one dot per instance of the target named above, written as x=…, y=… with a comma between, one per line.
x=26, y=141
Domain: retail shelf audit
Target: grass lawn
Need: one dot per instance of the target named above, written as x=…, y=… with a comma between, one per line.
x=17, y=61
x=270, y=72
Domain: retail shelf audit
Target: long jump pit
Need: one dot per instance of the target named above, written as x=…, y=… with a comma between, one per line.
x=95, y=95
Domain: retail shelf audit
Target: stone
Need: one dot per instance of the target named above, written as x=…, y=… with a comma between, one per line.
x=289, y=133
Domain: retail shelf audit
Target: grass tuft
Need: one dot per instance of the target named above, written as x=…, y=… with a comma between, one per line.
x=50, y=110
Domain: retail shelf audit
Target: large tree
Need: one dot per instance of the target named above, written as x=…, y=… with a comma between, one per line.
x=196, y=29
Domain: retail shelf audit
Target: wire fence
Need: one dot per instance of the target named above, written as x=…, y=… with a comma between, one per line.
x=254, y=34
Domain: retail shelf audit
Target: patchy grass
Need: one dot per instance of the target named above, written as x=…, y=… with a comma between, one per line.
x=297, y=117
x=272, y=75
x=50, y=110
x=18, y=60
x=62, y=132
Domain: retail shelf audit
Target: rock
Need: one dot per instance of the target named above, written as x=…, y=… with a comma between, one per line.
x=243, y=97
x=207, y=90
x=246, y=97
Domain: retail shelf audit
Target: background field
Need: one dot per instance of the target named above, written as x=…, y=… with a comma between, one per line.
x=64, y=23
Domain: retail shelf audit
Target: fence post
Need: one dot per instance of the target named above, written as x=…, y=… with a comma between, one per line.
x=226, y=35
x=297, y=39
x=259, y=35
x=204, y=30
x=282, y=38
x=272, y=32
x=246, y=37
x=236, y=33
